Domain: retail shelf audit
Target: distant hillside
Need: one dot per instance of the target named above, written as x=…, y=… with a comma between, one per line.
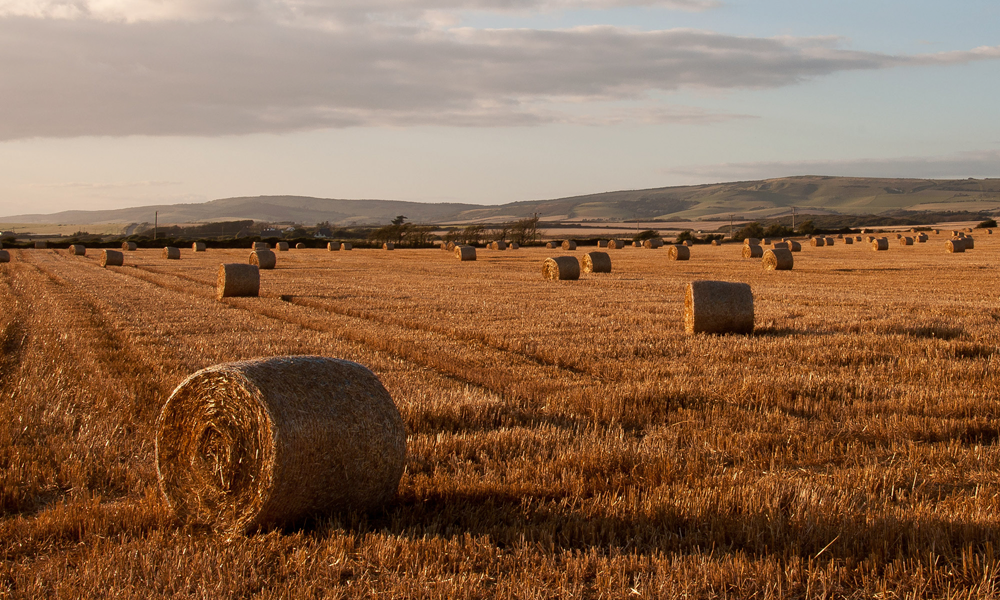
x=747, y=199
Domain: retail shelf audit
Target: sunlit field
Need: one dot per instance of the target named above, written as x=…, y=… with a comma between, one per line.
x=566, y=439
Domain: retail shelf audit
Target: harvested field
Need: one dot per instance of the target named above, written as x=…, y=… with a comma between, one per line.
x=563, y=443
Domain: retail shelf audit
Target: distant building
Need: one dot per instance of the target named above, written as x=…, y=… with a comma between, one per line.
x=323, y=232
x=270, y=233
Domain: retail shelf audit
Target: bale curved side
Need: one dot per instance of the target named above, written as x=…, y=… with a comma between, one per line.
x=679, y=253
x=333, y=246
x=269, y=442
x=171, y=253
x=550, y=245
x=464, y=253
x=751, y=242
x=346, y=246
x=848, y=240
x=817, y=242
x=569, y=245
x=970, y=244
x=130, y=246
x=778, y=259
x=112, y=258
x=596, y=262
x=718, y=307
x=389, y=246
x=235, y=279
x=78, y=249
x=264, y=259
x=4, y=256
x=198, y=246
x=956, y=245
x=260, y=246
x=880, y=244
x=906, y=241
x=282, y=246
x=794, y=246
x=300, y=246
x=752, y=251
x=561, y=267
x=513, y=246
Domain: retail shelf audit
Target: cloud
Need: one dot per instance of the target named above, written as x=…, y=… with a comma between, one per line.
x=979, y=164
x=81, y=76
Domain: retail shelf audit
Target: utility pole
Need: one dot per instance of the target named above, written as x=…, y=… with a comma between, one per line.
x=793, y=218
x=730, y=226
x=156, y=220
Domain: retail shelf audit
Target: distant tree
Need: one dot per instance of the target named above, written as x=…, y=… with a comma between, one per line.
x=987, y=224
x=648, y=234
x=684, y=236
x=524, y=231
x=473, y=234
x=399, y=220
x=807, y=227
x=777, y=230
x=750, y=230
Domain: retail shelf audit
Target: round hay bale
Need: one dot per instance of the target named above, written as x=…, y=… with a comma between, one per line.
x=970, y=244
x=112, y=258
x=345, y=246
x=679, y=252
x=871, y=239
x=956, y=245
x=817, y=241
x=905, y=241
x=260, y=246
x=78, y=249
x=784, y=245
x=688, y=243
x=718, y=307
x=602, y=243
x=752, y=252
x=794, y=246
x=130, y=246
x=569, y=245
x=236, y=279
x=171, y=253
x=561, y=267
x=388, y=246
x=880, y=244
x=449, y=246
x=840, y=236
x=4, y=256
x=778, y=259
x=264, y=259
x=937, y=232
x=282, y=246
x=899, y=236
x=513, y=246
x=41, y=245
x=954, y=233
x=300, y=246
x=989, y=232
x=637, y=244
x=269, y=442
x=766, y=241
x=198, y=246
x=464, y=253
x=596, y=262
x=333, y=246
x=615, y=244
x=751, y=242
x=499, y=245
x=922, y=238
x=716, y=243
x=550, y=245
x=848, y=240
x=652, y=243
x=829, y=241
x=858, y=238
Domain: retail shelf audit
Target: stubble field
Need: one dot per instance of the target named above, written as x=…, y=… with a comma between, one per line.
x=565, y=439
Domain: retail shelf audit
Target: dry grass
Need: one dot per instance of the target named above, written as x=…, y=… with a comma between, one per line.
x=567, y=442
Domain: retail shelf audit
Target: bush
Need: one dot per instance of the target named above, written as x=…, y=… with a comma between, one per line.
x=987, y=224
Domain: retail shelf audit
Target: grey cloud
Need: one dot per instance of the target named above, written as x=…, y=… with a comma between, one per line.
x=67, y=77
x=979, y=164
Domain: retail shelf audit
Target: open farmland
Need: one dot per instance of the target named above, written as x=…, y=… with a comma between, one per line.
x=565, y=439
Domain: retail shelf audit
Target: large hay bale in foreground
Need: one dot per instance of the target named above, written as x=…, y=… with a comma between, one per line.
x=679, y=252
x=388, y=246
x=956, y=245
x=236, y=279
x=718, y=307
x=4, y=256
x=130, y=246
x=970, y=243
x=112, y=258
x=569, y=245
x=264, y=259
x=778, y=259
x=300, y=246
x=561, y=267
x=78, y=249
x=198, y=246
x=752, y=251
x=269, y=442
x=171, y=253
x=880, y=244
x=464, y=253
x=282, y=246
x=817, y=241
x=596, y=262
x=906, y=241
x=41, y=245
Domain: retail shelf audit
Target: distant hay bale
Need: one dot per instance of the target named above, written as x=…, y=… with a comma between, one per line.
x=829, y=241
x=921, y=238
x=596, y=262
x=282, y=246
x=345, y=246
x=784, y=245
x=333, y=246
x=718, y=307
x=751, y=242
x=171, y=253
x=129, y=246
x=4, y=256
x=602, y=243
x=260, y=246
x=840, y=236
x=906, y=241
x=937, y=232
x=264, y=259
x=679, y=252
x=817, y=241
x=41, y=245
x=550, y=245
x=688, y=243
x=637, y=244
x=561, y=267
x=794, y=246
x=198, y=246
x=753, y=251
x=652, y=243
x=615, y=244
x=569, y=245
x=956, y=245
x=899, y=236
x=270, y=442
x=857, y=238
x=766, y=241
x=967, y=230
x=236, y=279
x=300, y=246
x=954, y=233
x=715, y=243
x=989, y=232
x=513, y=246
x=970, y=244
x=880, y=244
x=848, y=240
x=464, y=253
x=388, y=246
x=871, y=239
x=449, y=246
x=112, y=258
x=778, y=259
x=78, y=249
x=961, y=234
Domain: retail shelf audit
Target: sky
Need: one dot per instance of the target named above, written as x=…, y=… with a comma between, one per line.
x=116, y=103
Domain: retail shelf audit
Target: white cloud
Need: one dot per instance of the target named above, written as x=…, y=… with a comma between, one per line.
x=979, y=164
